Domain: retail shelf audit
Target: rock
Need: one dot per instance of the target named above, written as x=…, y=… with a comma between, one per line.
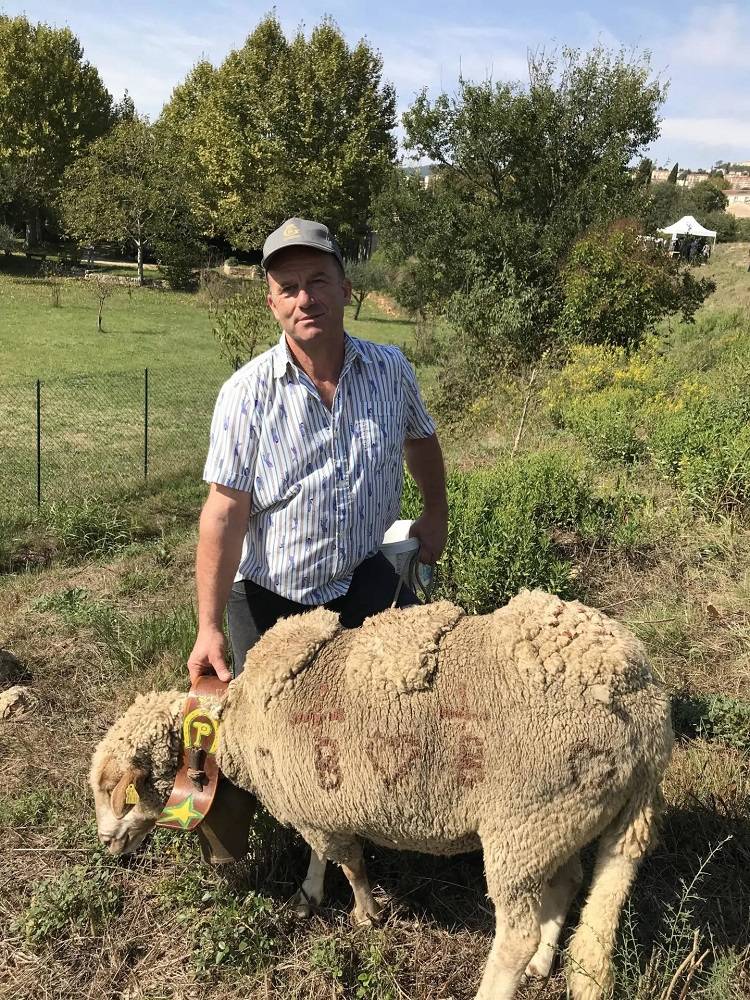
x=17, y=702
x=12, y=671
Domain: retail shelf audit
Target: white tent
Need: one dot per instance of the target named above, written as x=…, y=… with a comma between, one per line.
x=688, y=226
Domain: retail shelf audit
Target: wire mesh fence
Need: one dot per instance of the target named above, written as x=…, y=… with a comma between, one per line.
x=67, y=438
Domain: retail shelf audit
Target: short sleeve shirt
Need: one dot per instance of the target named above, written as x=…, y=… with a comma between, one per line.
x=325, y=484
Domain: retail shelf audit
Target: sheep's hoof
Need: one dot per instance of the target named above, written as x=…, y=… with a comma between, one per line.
x=366, y=916
x=301, y=905
x=538, y=969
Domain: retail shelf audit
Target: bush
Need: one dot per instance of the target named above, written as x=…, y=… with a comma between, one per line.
x=617, y=287
x=179, y=255
x=716, y=717
x=231, y=262
x=7, y=239
x=500, y=525
x=243, y=323
x=694, y=428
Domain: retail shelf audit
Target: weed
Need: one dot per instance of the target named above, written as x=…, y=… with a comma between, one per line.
x=329, y=956
x=35, y=807
x=81, y=898
x=720, y=718
x=376, y=977
x=237, y=934
x=89, y=527
x=676, y=955
x=500, y=525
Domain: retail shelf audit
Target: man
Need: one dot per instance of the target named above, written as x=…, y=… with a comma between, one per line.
x=306, y=464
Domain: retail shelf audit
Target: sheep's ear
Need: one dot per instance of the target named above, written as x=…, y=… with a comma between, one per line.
x=120, y=799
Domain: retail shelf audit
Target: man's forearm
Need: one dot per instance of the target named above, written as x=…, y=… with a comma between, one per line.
x=424, y=460
x=218, y=554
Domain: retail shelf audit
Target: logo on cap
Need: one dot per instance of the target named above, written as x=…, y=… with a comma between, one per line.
x=291, y=230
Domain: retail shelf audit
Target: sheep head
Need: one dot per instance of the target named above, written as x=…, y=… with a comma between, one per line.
x=134, y=768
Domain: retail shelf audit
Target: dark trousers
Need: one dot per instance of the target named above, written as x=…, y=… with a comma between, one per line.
x=252, y=609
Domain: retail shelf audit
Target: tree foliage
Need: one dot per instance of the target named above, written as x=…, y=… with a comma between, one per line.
x=281, y=128
x=616, y=287
x=52, y=104
x=522, y=172
x=129, y=187
x=669, y=202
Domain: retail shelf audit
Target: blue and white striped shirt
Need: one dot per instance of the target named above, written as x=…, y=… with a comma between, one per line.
x=325, y=484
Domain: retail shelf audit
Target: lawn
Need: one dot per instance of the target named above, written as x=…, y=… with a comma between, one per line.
x=92, y=393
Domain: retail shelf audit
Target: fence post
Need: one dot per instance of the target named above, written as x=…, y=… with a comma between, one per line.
x=145, y=423
x=38, y=443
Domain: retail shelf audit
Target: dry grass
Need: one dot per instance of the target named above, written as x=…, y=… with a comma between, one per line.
x=437, y=933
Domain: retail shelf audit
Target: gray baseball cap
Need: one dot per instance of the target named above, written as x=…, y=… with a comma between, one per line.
x=300, y=233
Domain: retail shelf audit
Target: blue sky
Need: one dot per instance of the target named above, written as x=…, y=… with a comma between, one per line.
x=704, y=50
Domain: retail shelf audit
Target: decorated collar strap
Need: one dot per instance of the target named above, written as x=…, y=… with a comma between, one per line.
x=198, y=776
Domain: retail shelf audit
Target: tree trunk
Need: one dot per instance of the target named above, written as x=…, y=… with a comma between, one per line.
x=33, y=229
x=99, y=317
x=360, y=300
x=140, y=262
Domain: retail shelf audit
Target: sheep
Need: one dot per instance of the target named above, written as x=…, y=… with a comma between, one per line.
x=529, y=732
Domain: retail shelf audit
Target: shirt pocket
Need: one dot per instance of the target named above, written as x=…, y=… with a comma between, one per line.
x=380, y=432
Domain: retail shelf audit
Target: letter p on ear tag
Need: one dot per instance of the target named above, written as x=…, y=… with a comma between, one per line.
x=132, y=797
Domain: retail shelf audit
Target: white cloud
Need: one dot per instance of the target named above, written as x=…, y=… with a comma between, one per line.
x=716, y=37
x=712, y=133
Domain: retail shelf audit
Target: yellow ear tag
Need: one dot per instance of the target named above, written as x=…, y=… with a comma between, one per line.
x=132, y=797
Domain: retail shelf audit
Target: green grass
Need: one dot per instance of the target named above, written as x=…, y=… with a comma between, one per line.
x=92, y=396
x=142, y=327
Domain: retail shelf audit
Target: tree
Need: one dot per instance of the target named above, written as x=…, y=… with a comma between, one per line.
x=523, y=170
x=707, y=197
x=243, y=323
x=644, y=171
x=366, y=276
x=617, y=287
x=52, y=104
x=129, y=187
x=287, y=128
x=672, y=178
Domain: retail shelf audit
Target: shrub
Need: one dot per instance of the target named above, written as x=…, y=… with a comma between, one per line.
x=231, y=262
x=500, y=525
x=616, y=288
x=608, y=423
x=179, y=256
x=243, y=323
x=689, y=414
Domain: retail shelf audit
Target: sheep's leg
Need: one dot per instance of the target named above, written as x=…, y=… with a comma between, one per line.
x=516, y=940
x=311, y=890
x=366, y=910
x=556, y=899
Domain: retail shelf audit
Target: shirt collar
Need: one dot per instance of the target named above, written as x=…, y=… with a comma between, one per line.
x=283, y=360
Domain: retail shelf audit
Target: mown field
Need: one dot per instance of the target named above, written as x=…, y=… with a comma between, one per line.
x=629, y=489
x=97, y=435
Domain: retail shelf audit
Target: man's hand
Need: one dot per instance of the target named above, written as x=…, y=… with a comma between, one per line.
x=431, y=528
x=208, y=656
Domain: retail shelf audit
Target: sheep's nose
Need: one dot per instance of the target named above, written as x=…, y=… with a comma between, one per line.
x=115, y=845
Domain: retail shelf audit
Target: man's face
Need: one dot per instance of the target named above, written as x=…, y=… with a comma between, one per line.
x=307, y=292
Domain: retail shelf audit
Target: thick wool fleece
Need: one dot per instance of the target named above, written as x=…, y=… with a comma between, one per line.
x=147, y=736
x=535, y=728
